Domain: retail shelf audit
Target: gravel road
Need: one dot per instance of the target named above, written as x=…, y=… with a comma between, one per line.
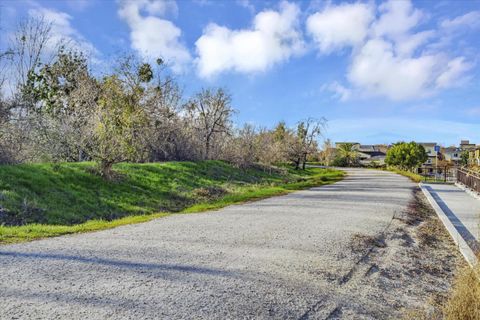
x=287, y=257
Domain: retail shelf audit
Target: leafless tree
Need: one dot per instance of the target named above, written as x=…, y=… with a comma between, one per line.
x=211, y=112
x=327, y=155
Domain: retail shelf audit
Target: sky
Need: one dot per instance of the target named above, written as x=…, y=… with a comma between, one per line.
x=378, y=71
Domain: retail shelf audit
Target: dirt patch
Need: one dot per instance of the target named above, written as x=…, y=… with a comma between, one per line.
x=361, y=243
x=209, y=193
x=406, y=272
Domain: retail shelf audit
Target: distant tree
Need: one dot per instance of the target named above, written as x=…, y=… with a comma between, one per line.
x=211, y=112
x=406, y=155
x=327, y=154
x=280, y=131
x=464, y=158
x=300, y=143
x=347, y=154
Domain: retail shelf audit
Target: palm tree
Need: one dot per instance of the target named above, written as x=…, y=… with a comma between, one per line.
x=348, y=152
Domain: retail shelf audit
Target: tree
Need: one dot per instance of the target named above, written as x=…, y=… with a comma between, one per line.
x=117, y=125
x=327, y=154
x=243, y=147
x=300, y=143
x=347, y=154
x=406, y=156
x=65, y=96
x=211, y=113
x=464, y=158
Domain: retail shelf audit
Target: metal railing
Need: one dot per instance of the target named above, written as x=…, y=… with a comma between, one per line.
x=444, y=174
x=469, y=178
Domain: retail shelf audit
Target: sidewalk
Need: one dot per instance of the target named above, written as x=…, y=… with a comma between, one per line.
x=462, y=211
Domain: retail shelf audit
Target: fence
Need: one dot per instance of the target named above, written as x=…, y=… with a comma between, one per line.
x=470, y=179
x=437, y=174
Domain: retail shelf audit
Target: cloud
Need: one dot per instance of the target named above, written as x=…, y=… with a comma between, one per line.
x=339, y=26
x=246, y=4
x=453, y=73
x=397, y=18
x=273, y=38
x=377, y=69
x=154, y=37
x=62, y=31
x=469, y=20
x=339, y=91
x=388, y=56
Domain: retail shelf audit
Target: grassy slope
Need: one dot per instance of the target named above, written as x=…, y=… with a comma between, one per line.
x=68, y=199
x=413, y=176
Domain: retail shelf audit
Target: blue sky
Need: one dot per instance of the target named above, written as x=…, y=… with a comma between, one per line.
x=378, y=71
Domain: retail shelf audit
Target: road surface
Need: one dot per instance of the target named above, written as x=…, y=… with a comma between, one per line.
x=287, y=257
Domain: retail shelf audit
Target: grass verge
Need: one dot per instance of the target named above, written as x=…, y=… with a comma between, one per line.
x=464, y=300
x=413, y=176
x=42, y=200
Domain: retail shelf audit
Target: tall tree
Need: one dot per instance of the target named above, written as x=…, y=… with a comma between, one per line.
x=211, y=112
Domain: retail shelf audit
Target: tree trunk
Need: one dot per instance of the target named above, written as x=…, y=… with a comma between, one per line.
x=297, y=163
x=207, y=149
x=106, y=169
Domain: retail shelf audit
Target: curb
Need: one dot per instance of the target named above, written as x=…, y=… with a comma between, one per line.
x=463, y=246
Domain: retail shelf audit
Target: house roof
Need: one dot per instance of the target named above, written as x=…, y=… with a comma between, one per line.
x=344, y=142
x=428, y=144
x=450, y=149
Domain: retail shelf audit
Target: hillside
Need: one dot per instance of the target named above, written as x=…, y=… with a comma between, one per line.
x=70, y=194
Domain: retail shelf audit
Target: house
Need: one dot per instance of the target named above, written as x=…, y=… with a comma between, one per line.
x=474, y=156
x=432, y=153
x=452, y=155
x=371, y=153
x=465, y=145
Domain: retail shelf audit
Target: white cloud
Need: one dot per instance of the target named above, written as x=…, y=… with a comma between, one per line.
x=273, y=38
x=397, y=18
x=407, y=44
x=377, y=69
x=153, y=37
x=339, y=26
x=389, y=57
x=470, y=20
x=453, y=74
x=246, y=4
x=62, y=31
x=339, y=91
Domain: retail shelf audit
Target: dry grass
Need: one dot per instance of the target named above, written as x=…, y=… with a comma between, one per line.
x=464, y=300
x=361, y=242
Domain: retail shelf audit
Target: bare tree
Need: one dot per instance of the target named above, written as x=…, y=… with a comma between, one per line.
x=303, y=141
x=211, y=113
x=327, y=155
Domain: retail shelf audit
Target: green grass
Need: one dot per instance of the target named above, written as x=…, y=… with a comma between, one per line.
x=47, y=200
x=413, y=176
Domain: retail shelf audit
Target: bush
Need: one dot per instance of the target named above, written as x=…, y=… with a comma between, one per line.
x=406, y=156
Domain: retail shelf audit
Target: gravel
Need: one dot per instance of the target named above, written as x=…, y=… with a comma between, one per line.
x=286, y=257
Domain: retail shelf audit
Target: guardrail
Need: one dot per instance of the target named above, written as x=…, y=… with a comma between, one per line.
x=468, y=178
